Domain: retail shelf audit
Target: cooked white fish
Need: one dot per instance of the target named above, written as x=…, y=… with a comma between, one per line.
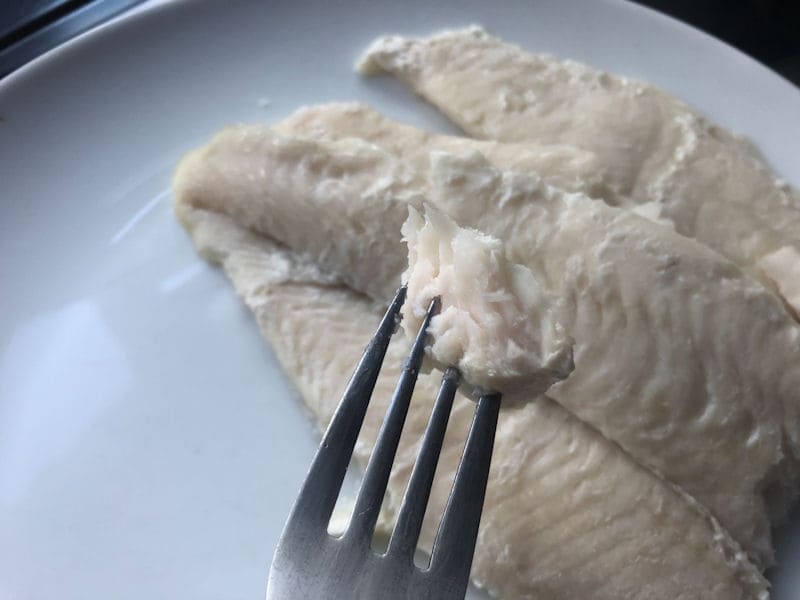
x=300, y=193
x=565, y=167
x=653, y=147
x=497, y=324
x=695, y=342
x=681, y=359
x=567, y=515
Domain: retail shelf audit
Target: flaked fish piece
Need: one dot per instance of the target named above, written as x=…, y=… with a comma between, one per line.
x=567, y=513
x=653, y=147
x=681, y=359
x=497, y=324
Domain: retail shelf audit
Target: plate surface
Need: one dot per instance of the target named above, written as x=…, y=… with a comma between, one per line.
x=149, y=445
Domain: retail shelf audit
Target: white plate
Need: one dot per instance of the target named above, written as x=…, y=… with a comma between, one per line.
x=149, y=446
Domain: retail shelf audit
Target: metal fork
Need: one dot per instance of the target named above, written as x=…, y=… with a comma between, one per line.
x=310, y=563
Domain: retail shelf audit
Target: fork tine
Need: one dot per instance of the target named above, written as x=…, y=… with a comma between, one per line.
x=409, y=521
x=376, y=476
x=318, y=495
x=455, y=541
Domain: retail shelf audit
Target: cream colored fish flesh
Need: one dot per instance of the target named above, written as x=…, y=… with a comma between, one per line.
x=653, y=147
x=497, y=324
x=566, y=167
x=567, y=515
x=683, y=361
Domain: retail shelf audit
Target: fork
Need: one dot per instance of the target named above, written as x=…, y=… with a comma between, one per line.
x=311, y=563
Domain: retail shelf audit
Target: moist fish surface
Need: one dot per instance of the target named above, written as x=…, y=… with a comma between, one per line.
x=496, y=324
x=654, y=148
x=563, y=166
x=566, y=167
x=681, y=359
x=567, y=514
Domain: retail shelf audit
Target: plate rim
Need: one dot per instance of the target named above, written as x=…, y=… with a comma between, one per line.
x=153, y=8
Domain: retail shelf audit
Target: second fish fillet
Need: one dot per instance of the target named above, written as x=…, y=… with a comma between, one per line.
x=567, y=514
x=681, y=359
x=653, y=147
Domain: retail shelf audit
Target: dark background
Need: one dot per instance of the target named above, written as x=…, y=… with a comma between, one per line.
x=768, y=30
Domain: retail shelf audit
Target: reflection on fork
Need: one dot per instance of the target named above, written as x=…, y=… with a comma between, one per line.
x=310, y=563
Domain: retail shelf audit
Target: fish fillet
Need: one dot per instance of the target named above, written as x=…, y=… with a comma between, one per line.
x=681, y=359
x=652, y=147
x=567, y=513
x=562, y=166
x=565, y=167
